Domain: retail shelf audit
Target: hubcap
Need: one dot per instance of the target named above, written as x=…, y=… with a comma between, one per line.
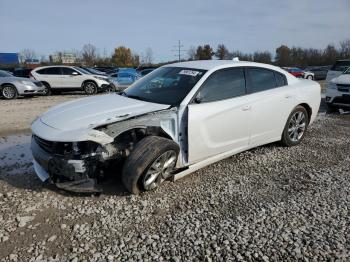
x=297, y=126
x=159, y=170
x=8, y=92
x=90, y=88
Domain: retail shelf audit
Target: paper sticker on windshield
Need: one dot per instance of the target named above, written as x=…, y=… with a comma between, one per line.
x=189, y=72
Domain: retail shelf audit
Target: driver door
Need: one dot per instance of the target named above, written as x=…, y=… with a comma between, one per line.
x=219, y=119
x=71, y=78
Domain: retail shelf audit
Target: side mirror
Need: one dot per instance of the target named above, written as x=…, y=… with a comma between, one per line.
x=75, y=74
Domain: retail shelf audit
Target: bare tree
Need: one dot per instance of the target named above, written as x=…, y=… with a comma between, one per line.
x=191, y=53
x=221, y=52
x=345, y=48
x=26, y=54
x=148, y=56
x=89, y=54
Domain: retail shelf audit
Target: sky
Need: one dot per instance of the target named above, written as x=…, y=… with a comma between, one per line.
x=47, y=26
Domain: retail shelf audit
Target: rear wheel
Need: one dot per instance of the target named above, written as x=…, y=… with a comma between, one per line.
x=309, y=77
x=90, y=88
x=295, y=127
x=9, y=92
x=151, y=162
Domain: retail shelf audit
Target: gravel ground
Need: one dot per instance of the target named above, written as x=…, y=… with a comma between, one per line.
x=270, y=203
x=17, y=115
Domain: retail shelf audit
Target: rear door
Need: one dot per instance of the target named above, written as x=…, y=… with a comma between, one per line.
x=272, y=102
x=53, y=76
x=219, y=118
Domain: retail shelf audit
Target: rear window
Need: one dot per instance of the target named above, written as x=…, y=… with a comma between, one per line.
x=261, y=79
x=340, y=66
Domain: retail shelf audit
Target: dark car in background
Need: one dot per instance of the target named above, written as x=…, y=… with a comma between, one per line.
x=22, y=72
x=320, y=72
x=146, y=71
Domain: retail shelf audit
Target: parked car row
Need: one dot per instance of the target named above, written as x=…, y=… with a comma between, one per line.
x=297, y=72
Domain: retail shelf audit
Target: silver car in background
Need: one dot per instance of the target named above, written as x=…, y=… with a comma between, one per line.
x=11, y=87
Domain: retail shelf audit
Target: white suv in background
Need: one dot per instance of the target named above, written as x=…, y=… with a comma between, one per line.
x=70, y=78
x=338, y=92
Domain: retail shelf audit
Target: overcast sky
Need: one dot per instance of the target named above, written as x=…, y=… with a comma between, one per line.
x=47, y=26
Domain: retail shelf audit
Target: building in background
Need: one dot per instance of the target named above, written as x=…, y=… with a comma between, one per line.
x=8, y=60
x=63, y=58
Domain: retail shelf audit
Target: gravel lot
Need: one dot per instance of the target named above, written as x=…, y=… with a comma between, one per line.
x=270, y=203
x=17, y=115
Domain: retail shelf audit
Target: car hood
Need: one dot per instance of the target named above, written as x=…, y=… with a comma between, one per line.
x=95, y=111
x=342, y=79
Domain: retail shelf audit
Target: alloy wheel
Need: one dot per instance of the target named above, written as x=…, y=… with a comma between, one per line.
x=159, y=170
x=90, y=88
x=297, y=125
x=9, y=92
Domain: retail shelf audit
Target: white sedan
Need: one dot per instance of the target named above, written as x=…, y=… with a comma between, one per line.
x=179, y=118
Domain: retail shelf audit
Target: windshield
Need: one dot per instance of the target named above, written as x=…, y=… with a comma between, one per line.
x=82, y=71
x=347, y=71
x=96, y=72
x=5, y=74
x=166, y=85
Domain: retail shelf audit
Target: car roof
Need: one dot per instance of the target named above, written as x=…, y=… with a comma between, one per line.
x=213, y=65
x=216, y=64
x=41, y=67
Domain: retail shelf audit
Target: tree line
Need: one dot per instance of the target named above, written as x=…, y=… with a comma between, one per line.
x=284, y=55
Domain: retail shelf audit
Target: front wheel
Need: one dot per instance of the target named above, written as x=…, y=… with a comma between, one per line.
x=90, y=88
x=151, y=162
x=9, y=92
x=295, y=127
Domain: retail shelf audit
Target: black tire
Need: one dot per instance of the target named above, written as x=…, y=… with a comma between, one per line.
x=9, y=92
x=90, y=88
x=310, y=77
x=47, y=90
x=146, y=152
x=331, y=108
x=286, y=140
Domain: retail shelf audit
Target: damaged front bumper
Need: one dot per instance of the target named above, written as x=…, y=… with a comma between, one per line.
x=67, y=172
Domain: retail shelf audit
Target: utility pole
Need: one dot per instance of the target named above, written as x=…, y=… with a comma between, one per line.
x=178, y=49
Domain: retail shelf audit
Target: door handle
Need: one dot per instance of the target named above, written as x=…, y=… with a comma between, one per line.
x=246, y=108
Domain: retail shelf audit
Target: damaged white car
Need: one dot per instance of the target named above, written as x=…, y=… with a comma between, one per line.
x=179, y=118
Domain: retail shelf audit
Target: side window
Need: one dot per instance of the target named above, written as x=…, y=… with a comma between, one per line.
x=261, y=79
x=340, y=65
x=53, y=71
x=280, y=79
x=67, y=71
x=223, y=84
x=42, y=71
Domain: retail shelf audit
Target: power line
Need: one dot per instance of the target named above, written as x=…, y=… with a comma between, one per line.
x=178, y=50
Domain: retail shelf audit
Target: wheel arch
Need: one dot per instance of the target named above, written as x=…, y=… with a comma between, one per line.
x=87, y=81
x=308, y=109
